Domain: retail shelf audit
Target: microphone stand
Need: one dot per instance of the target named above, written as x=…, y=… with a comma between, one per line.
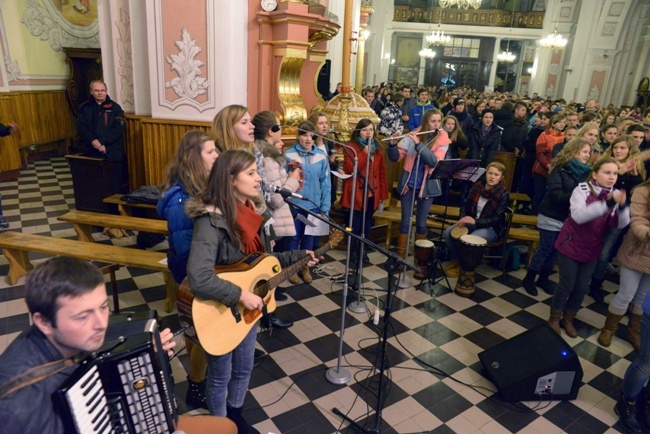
x=341, y=375
x=359, y=306
x=391, y=265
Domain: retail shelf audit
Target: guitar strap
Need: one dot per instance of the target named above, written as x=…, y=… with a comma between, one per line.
x=38, y=373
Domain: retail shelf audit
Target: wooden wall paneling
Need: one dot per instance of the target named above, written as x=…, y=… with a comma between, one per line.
x=134, y=149
x=9, y=156
x=42, y=116
x=160, y=140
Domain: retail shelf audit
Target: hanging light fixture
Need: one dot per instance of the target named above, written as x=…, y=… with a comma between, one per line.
x=427, y=53
x=507, y=56
x=438, y=37
x=554, y=41
x=461, y=4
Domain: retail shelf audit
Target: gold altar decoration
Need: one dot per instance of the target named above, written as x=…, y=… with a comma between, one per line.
x=346, y=110
x=479, y=17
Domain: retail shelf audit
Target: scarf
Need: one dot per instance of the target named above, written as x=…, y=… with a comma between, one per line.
x=578, y=168
x=493, y=196
x=485, y=130
x=249, y=222
x=364, y=143
x=604, y=192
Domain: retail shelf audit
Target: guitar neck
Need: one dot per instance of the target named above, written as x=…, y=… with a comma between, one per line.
x=297, y=266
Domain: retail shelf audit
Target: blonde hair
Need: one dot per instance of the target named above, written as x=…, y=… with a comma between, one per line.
x=497, y=165
x=569, y=152
x=223, y=129
x=632, y=153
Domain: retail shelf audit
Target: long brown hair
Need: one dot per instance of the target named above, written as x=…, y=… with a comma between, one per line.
x=223, y=129
x=187, y=166
x=219, y=191
x=457, y=133
x=633, y=151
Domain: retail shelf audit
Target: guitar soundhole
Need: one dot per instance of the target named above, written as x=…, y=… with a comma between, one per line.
x=261, y=288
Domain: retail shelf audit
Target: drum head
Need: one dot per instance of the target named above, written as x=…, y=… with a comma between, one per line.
x=458, y=232
x=473, y=240
x=425, y=244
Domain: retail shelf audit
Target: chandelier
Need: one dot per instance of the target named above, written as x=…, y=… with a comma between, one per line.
x=506, y=56
x=554, y=41
x=462, y=4
x=438, y=37
x=427, y=53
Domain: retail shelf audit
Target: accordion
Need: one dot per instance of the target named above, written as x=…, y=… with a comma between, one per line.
x=126, y=389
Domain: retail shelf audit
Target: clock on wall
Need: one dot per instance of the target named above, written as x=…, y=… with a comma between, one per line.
x=269, y=5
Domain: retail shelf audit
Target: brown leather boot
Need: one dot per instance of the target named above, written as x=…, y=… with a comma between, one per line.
x=554, y=320
x=305, y=275
x=634, y=330
x=608, y=330
x=402, y=244
x=567, y=323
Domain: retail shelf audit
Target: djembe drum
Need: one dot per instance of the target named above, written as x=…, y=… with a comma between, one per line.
x=423, y=254
x=471, y=249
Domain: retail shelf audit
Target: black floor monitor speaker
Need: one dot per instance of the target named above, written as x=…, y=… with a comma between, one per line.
x=537, y=364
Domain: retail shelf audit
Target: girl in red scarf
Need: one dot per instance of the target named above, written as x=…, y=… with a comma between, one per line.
x=227, y=227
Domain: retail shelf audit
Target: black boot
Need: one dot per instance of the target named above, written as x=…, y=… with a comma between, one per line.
x=642, y=410
x=529, y=282
x=243, y=427
x=195, y=395
x=596, y=290
x=543, y=282
x=624, y=408
x=272, y=321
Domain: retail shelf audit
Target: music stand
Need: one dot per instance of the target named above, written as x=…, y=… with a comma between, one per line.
x=464, y=170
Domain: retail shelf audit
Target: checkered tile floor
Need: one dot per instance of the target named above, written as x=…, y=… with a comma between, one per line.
x=288, y=390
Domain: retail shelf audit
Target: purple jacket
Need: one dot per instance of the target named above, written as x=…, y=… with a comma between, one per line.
x=590, y=215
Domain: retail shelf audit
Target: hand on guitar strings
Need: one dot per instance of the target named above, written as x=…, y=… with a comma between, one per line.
x=251, y=301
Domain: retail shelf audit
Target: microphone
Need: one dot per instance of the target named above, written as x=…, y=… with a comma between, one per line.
x=270, y=188
x=276, y=128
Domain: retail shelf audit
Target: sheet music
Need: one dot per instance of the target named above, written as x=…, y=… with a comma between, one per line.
x=469, y=174
x=341, y=175
x=316, y=227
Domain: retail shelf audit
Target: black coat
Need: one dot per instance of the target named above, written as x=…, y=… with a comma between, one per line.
x=483, y=148
x=104, y=122
x=559, y=187
x=505, y=119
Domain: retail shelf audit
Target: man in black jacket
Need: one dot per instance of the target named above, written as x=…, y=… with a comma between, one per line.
x=100, y=126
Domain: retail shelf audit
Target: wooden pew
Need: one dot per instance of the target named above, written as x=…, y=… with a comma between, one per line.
x=17, y=245
x=83, y=222
x=125, y=207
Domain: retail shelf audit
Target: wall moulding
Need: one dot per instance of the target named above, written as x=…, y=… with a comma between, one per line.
x=45, y=21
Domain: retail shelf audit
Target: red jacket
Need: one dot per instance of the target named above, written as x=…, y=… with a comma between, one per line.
x=376, y=176
x=544, y=150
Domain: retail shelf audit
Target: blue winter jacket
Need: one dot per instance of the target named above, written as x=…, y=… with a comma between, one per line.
x=315, y=167
x=171, y=207
x=416, y=113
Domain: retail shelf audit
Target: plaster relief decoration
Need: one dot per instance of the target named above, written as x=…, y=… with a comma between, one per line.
x=73, y=24
x=554, y=69
x=616, y=9
x=550, y=91
x=125, y=69
x=189, y=84
x=594, y=93
x=609, y=28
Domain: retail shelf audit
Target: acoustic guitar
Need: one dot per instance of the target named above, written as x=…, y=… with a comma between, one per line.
x=220, y=328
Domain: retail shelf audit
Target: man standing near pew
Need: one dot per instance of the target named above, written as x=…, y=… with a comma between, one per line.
x=5, y=130
x=68, y=304
x=100, y=126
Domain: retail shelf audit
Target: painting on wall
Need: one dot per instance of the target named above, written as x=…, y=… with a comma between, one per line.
x=77, y=12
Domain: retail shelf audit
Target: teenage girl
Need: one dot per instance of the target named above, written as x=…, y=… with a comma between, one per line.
x=633, y=407
x=595, y=206
x=607, y=135
x=227, y=227
x=415, y=182
x=186, y=177
x=543, y=156
x=567, y=170
x=630, y=174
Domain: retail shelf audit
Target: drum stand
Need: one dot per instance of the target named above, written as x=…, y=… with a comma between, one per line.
x=433, y=266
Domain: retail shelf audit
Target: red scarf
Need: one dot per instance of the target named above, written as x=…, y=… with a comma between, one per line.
x=249, y=222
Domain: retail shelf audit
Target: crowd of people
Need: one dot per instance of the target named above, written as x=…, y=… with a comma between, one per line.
x=583, y=166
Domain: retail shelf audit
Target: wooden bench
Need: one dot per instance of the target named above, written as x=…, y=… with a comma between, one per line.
x=454, y=212
x=125, y=207
x=83, y=222
x=62, y=146
x=395, y=217
x=17, y=245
